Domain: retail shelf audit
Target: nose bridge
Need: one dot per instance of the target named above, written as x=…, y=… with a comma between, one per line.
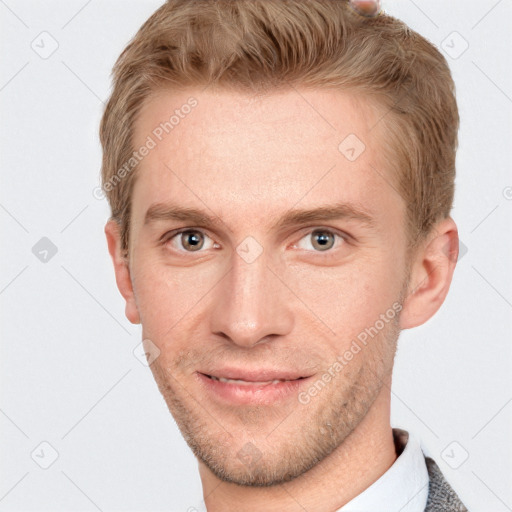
x=250, y=303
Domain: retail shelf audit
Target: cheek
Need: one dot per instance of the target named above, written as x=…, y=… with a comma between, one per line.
x=168, y=295
x=349, y=298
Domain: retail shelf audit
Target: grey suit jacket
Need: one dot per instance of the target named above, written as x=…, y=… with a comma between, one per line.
x=441, y=497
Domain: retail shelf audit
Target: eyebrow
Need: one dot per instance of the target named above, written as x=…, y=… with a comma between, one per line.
x=169, y=211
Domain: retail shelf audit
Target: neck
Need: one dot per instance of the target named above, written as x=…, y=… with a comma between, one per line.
x=363, y=457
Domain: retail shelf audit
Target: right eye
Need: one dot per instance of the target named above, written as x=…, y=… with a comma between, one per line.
x=188, y=240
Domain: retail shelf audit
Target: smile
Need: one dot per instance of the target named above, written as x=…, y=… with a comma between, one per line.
x=245, y=392
x=248, y=382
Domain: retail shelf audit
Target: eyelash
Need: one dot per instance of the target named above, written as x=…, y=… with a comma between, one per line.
x=344, y=237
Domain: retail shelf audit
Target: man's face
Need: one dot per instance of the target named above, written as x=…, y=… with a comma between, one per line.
x=251, y=297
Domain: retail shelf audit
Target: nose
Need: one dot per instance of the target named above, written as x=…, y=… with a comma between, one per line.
x=252, y=304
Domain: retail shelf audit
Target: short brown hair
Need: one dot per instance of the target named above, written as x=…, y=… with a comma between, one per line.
x=256, y=45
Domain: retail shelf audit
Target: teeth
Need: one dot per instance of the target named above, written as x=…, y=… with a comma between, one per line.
x=247, y=383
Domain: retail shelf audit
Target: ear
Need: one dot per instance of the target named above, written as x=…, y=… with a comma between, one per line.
x=431, y=274
x=122, y=270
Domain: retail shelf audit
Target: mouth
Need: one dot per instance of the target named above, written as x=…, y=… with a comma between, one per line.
x=243, y=382
x=251, y=388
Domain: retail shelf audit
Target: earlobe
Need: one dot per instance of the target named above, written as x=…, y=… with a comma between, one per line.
x=431, y=274
x=122, y=270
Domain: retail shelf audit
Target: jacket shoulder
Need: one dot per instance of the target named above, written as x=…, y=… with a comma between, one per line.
x=441, y=497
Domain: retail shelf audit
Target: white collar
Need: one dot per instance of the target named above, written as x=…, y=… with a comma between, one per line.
x=403, y=487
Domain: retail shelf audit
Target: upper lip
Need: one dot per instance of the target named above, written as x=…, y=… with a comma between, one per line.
x=256, y=375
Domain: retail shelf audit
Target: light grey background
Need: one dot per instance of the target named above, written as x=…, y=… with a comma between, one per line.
x=68, y=373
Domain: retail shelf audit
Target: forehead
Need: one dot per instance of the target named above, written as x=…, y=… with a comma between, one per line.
x=244, y=157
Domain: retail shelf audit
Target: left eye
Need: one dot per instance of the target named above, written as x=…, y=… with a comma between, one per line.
x=189, y=240
x=320, y=240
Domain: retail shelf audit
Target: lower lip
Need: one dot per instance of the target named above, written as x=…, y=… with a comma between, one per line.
x=252, y=394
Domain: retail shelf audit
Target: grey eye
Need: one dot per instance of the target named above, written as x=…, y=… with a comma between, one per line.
x=322, y=240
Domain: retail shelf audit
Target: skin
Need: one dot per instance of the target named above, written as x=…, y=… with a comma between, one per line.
x=248, y=161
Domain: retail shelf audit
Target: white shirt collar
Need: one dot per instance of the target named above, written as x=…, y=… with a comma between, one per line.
x=403, y=487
